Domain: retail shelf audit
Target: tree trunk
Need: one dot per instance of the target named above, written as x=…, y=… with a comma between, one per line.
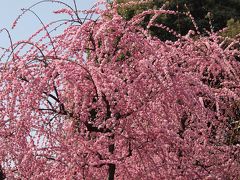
x=111, y=167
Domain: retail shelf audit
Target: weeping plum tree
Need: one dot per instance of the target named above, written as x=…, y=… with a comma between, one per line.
x=106, y=100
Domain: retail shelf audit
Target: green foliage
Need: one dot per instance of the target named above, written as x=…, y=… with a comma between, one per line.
x=234, y=123
x=233, y=28
x=130, y=11
x=222, y=11
x=207, y=14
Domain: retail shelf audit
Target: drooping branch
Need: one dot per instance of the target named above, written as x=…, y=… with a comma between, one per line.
x=45, y=28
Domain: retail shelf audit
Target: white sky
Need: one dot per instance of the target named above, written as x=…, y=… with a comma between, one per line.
x=10, y=9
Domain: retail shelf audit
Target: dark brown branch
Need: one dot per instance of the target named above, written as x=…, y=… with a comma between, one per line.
x=129, y=149
x=62, y=109
x=92, y=128
x=2, y=175
x=23, y=78
x=111, y=171
x=205, y=167
x=111, y=166
x=51, y=159
x=183, y=125
x=76, y=11
x=29, y=43
x=52, y=96
x=92, y=40
x=50, y=104
x=55, y=90
x=108, y=110
x=9, y=37
x=47, y=109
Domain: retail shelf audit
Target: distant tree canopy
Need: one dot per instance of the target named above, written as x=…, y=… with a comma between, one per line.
x=233, y=28
x=206, y=13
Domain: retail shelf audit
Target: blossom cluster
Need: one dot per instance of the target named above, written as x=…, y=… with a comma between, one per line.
x=107, y=99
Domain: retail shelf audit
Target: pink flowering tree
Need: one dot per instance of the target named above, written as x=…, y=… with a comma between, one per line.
x=106, y=100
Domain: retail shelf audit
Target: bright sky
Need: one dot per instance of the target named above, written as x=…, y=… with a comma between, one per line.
x=28, y=24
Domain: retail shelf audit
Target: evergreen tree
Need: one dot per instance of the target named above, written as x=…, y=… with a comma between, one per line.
x=208, y=14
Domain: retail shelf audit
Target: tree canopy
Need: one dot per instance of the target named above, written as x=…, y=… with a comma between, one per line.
x=207, y=14
x=106, y=99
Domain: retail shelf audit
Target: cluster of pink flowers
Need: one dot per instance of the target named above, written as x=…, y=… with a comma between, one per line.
x=106, y=99
x=64, y=11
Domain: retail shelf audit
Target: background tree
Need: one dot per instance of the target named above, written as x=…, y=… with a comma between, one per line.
x=207, y=14
x=105, y=99
x=233, y=29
